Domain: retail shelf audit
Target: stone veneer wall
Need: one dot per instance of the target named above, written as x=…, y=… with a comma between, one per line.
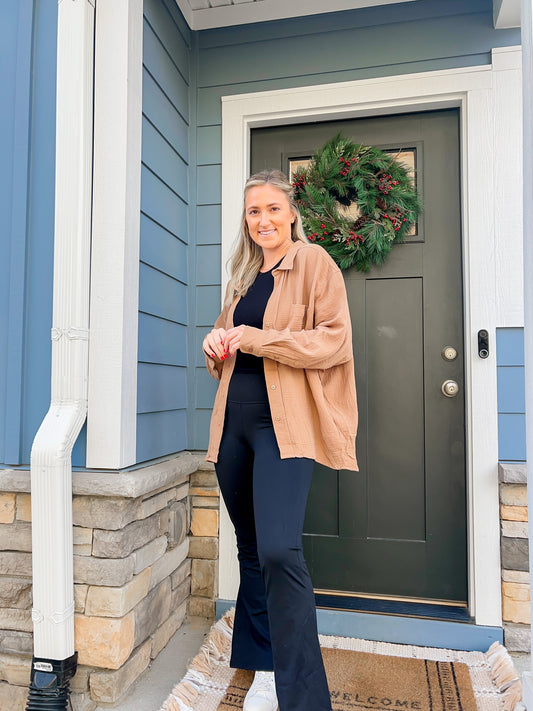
x=516, y=610
x=132, y=572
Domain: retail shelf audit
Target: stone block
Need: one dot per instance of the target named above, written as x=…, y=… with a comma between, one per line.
x=153, y=504
x=204, y=522
x=177, y=529
x=82, y=536
x=145, y=480
x=13, y=697
x=515, y=529
x=513, y=494
x=148, y=554
x=107, y=687
x=8, y=504
x=120, y=543
x=23, y=507
x=82, y=549
x=80, y=596
x=14, y=642
x=512, y=473
x=164, y=522
x=205, y=491
x=117, y=601
x=517, y=638
x=180, y=594
x=201, y=607
x=515, y=576
x=516, y=603
x=514, y=553
x=168, y=629
x=203, y=578
x=182, y=491
x=152, y=611
x=15, y=592
x=203, y=547
x=15, y=619
x=15, y=563
x=204, y=478
x=207, y=502
x=183, y=572
x=80, y=681
x=15, y=536
x=513, y=513
x=104, y=641
x=15, y=669
x=82, y=702
x=168, y=563
x=103, y=571
x=109, y=512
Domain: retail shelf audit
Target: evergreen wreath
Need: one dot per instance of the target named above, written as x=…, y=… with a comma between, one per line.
x=342, y=174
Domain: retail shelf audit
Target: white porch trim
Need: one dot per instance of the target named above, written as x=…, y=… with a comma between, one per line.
x=112, y=405
x=487, y=112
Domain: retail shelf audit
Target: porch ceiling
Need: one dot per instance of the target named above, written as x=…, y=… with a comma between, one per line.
x=205, y=14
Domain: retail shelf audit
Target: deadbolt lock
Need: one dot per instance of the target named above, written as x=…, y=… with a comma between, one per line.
x=449, y=353
x=450, y=388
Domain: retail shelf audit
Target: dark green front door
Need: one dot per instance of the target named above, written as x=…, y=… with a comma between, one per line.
x=398, y=526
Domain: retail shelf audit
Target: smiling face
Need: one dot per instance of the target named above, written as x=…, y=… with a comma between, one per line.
x=269, y=219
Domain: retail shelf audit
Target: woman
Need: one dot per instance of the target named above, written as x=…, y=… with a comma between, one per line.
x=282, y=351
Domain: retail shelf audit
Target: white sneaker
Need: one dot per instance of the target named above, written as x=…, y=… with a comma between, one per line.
x=261, y=695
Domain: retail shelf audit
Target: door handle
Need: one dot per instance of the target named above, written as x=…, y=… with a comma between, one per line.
x=450, y=388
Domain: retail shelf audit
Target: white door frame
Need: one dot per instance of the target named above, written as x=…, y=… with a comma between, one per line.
x=489, y=99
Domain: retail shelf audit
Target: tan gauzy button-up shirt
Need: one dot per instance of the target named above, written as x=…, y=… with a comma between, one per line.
x=306, y=346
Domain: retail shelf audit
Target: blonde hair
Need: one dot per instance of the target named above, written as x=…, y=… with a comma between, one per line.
x=247, y=257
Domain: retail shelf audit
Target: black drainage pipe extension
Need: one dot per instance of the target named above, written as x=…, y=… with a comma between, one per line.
x=50, y=683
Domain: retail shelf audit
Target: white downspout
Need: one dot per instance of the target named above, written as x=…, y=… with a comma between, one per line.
x=51, y=468
x=527, y=83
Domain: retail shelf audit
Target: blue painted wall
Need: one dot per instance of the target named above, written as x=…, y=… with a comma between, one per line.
x=165, y=233
x=185, y=75
x=370, y=42
x=27, y=146
x=511, y=394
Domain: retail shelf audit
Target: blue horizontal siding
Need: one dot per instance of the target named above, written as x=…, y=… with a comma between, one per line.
x=160, y=434
x=163, y=250
x=208, y=224
x=163, y=205
x=161, y=341
x=511, y=394
x=28, y=34
x=161, y=387
x=164, y=253
x=161, y=295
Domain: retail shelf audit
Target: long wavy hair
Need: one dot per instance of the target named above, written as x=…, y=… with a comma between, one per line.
x=247, y=257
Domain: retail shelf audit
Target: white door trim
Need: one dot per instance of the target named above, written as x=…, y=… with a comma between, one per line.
x=487, y=111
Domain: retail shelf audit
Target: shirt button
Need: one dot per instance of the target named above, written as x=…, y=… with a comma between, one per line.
x=272, y=387
x=267, y=323
x=277, y=419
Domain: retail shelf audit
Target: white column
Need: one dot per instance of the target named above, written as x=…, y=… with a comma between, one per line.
x=112, y=407
x=527, y=83
x=51, y=471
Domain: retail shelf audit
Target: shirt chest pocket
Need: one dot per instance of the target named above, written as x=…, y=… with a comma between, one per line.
x=297, y=317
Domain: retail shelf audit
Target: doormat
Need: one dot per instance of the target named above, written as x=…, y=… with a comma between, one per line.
x=363, y=674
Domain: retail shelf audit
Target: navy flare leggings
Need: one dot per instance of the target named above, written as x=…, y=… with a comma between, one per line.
x=275, y=616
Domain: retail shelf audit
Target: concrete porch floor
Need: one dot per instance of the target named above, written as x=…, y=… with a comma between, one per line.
x=156, y=683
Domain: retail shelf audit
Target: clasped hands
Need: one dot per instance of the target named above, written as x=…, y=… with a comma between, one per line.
x=221, y=343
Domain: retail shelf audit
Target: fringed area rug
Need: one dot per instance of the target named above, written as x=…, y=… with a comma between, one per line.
x=364, y=675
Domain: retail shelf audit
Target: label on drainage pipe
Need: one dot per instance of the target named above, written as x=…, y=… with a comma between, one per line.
x=43, y=666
